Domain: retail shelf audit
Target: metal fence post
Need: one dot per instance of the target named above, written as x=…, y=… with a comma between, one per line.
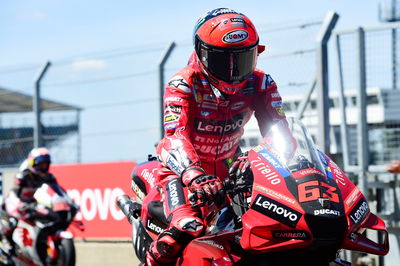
x=362, y=126
x=394, y=58
x=161, y=64
x=342, y=106
x=37, y=129
x=323, y=80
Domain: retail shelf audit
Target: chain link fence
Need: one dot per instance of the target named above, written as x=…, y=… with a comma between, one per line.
x=382, y=72
x=60, y=135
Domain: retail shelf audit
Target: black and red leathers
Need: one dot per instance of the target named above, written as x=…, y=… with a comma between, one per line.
x=203, y=128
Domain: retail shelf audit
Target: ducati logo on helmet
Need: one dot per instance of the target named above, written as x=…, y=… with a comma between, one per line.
x=235, y=36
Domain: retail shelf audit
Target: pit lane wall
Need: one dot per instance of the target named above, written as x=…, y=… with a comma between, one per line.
x=94, y=187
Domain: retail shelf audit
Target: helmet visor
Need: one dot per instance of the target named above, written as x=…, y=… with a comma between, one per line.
x=229, y=65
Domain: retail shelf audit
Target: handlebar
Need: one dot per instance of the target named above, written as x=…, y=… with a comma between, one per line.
x=231, y=186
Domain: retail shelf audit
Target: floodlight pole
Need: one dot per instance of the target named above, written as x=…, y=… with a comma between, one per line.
x=37, y=128
x=161, y=65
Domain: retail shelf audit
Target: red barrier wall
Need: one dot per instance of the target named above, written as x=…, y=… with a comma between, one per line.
x=95, y=187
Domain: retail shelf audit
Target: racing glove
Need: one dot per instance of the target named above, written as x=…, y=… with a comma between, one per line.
x=241, y=167
x=205, y=188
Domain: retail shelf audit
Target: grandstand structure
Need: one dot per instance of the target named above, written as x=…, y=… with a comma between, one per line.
x=59, y=122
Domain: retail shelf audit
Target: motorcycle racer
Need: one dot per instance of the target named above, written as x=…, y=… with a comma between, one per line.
x=20, y=204
x=206, y=106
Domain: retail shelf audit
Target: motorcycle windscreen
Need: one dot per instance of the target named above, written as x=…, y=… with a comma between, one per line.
x=293, y=146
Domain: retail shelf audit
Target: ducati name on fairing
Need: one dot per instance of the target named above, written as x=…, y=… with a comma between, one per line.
x=326, y=212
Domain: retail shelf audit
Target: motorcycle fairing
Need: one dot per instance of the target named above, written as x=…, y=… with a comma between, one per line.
x=211, y=250
x=273, y=208
x=359, y=217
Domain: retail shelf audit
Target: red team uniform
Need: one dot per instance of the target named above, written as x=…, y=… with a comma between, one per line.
x=206, y=105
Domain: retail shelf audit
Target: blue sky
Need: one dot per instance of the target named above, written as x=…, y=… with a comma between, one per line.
x=119, y=44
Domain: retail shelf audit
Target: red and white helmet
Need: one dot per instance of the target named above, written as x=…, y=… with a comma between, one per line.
x=226, y=45
x=39, y=161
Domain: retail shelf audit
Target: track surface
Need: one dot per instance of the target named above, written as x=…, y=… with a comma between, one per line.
x=105, y=253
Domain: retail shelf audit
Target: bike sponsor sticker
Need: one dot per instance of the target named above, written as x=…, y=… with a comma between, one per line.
x=274, y=162
x=274, y=193
x=276, y=104
x=211, y=243
x=218, y=127
x=293, y=234
x=214, y=149
x=177, y=109
x=359, y=212
x=173, y=99
x=238, y=20
x=205, y=113
x=339, y=176
x=276, y=210
x=154, y=226
x=235, y=36
x=280, y=111
x=352, y=197
x=175, y=194
x=306, y=172
x=171, y=118
x=269, y=172
x=267, y=82
x=179, y=83
x=171, y=126
x=327, y=212
x=237, y=106
x=275, y=95
x=174, y=165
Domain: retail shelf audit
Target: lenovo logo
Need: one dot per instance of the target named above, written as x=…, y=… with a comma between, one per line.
x=276, y=210
x=218, y=127
x=359, y=211
x=175, y=194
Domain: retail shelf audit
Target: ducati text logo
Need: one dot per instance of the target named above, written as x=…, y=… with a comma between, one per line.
x=276, y=210
x=326, y=212
x=235, y=36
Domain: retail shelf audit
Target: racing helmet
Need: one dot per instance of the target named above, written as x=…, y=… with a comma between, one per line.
x=39, y=161
x=226, y=45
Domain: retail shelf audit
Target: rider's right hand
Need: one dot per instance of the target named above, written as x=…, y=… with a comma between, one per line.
x=205, y=187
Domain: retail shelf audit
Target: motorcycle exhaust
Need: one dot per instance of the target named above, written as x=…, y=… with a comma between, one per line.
x=130, y=208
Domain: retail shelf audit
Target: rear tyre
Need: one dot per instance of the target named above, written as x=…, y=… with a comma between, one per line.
x=67, y=255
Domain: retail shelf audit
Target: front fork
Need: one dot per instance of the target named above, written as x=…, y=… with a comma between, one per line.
x=54, y=240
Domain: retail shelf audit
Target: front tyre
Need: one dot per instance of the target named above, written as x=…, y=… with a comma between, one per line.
x=66, y=253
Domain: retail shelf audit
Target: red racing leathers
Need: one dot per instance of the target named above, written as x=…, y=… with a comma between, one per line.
x=203, y=128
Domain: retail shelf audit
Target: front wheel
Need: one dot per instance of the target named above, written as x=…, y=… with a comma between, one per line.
x=66, y=253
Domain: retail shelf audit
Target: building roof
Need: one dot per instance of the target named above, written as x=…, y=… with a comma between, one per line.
x=12, y=101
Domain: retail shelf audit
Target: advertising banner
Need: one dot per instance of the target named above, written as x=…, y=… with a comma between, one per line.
x=95, y=187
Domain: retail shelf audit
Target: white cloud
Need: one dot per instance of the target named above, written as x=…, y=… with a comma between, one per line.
x=88, y=64
x=35, y=15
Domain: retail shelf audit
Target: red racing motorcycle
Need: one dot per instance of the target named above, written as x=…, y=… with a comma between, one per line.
x=298, y=208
